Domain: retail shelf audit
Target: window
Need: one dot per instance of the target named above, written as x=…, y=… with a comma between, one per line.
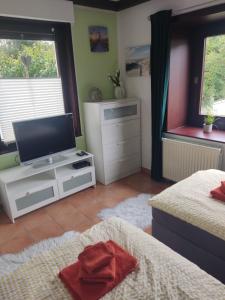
x=213, y=78
x=37, y=74
x=197, y=68
x=30, y=86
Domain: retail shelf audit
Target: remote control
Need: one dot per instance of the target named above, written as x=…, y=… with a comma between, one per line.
x=82, y=153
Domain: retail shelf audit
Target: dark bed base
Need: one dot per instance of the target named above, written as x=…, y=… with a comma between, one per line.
x=203, y=249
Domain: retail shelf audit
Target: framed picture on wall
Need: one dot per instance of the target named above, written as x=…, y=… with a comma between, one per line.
x=138, y=61
x=99, y=41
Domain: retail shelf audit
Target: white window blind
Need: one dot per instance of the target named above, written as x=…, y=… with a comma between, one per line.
x=22, y=99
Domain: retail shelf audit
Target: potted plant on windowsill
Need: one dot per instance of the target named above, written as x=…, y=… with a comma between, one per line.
x=209, y=121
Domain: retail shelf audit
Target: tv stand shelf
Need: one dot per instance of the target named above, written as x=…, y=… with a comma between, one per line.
x=26, y=188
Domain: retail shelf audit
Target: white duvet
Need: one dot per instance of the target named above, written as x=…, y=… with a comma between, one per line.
x=190, y=201
x=162, y=273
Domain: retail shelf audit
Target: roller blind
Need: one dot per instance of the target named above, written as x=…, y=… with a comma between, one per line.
x=22, y=99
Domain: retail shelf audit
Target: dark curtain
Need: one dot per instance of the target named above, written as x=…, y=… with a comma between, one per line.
x=64, y=49
x=160, y=50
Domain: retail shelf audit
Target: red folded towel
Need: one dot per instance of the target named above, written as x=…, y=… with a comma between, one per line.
x=85, y=285
x=222, y=187
x=96, y=256
x=218, y=194
x=103, y=275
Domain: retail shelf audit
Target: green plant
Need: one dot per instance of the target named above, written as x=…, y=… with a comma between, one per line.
x=115, y=78
x=209, y=119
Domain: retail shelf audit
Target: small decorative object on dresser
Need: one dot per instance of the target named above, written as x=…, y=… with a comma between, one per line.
x=95, y=94
x=209, y=120
x=113, y=135
x=119, y=90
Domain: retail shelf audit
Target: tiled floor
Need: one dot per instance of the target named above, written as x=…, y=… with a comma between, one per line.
x=77, y=212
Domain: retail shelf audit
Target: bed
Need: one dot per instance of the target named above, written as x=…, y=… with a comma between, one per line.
x=162, y=273
x=190, y=222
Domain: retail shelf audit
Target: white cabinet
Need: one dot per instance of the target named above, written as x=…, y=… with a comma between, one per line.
x=25, y=188
x=113, y=135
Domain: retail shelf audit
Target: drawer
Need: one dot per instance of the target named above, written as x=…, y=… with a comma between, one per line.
x=120, y=150
x=35, y=199
x=122, y=168
x=68, y=186
x=113, y=133
x=119, y=112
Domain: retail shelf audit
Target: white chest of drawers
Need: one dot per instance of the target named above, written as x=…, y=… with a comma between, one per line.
x=112, y=131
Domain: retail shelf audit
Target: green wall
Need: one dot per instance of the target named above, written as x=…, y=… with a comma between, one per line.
x=91, y=68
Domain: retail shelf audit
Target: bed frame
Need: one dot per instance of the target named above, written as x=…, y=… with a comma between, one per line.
x=204, y=249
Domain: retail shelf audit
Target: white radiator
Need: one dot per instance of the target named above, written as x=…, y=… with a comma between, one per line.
x=181, y=159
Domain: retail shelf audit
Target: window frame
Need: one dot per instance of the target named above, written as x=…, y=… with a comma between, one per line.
x=197, y=46
x=60, y=33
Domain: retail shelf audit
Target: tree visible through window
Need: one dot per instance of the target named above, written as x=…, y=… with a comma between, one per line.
x=213, y=84
x=30, y=86
x=27, y=59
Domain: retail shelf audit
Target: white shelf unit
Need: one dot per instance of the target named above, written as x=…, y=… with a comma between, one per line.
x=25, y=188
x=113, y=135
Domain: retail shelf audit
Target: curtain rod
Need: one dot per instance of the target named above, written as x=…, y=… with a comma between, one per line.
x=194, y=7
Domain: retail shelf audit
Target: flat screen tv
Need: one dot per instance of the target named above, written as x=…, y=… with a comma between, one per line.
x=43, y=137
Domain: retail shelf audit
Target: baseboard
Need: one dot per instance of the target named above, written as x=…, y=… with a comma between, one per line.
x=145, y=170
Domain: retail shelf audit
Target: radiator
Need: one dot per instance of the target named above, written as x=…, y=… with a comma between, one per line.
x=181, y=159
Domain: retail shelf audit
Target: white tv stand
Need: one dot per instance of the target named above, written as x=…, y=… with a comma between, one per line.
x=26, y=188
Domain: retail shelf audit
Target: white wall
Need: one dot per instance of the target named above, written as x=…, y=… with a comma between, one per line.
x=133, y=30
x=50, y=10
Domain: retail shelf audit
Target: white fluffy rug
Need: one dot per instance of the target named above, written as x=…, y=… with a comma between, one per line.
x=10, y=262
x=134, y=210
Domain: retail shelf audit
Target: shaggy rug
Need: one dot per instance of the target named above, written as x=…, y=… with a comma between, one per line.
x=10, y=262
x=134, y=210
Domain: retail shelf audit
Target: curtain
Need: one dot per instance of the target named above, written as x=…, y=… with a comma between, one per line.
x=64, y=49
x=160, y=50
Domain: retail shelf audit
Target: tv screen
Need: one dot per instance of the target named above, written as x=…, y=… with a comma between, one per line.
x=40, y=137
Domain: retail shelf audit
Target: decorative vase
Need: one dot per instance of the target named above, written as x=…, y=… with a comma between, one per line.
x=119, y=92
x=207, y=128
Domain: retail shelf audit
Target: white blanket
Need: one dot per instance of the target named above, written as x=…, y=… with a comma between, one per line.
x=162, y=274
x=190, y=201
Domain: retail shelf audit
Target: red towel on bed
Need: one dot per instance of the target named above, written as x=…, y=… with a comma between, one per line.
x=95, y=256
x=218, y=194
x=98, y=270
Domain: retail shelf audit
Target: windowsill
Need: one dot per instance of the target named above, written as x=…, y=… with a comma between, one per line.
x=196, y=132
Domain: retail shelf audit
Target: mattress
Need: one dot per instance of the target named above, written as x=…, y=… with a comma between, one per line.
x=189, y=200
x=162, y=273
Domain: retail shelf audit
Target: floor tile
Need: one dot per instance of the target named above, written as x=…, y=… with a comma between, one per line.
x=33, y=219
x=83, y=226
x=10, y=231
x=16, y=244
x=59, y=209
x=92, y=210
x=72, y=219
x=44, y=231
